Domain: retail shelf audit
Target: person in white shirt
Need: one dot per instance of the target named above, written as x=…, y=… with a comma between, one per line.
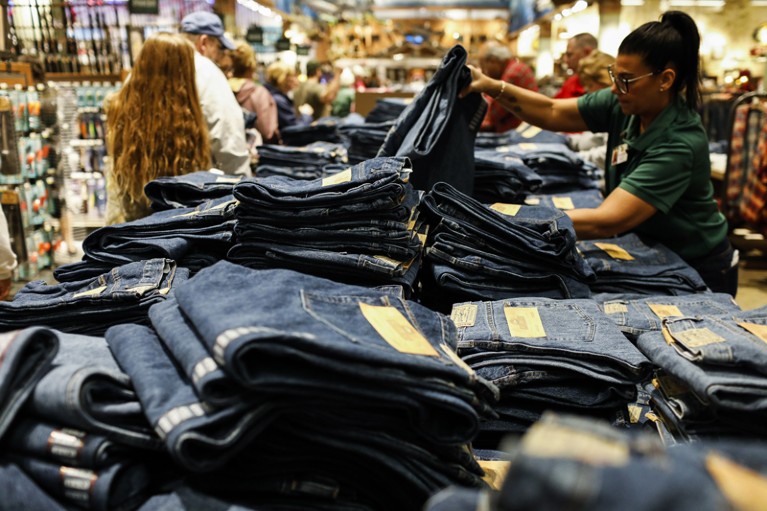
x=224, y=117
x=7, y=258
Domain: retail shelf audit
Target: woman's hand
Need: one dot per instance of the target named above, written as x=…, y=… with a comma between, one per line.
x=479, y=83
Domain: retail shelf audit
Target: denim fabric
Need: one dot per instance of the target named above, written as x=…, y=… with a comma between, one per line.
x=565, y=201
x=521, y=134
x=324, y=324
x=317, y=154
x=184, y=497
x=570, y=463
x=364, y=140
x=725, y=388
x=25, y=357
x=212, y=385
x=532, y=233
x=20, y=492
x=85, y=389
x=572, y=334
x=386, y=109
x=648, y=267
x=635, y=317
x=437, y=129
x=321, y=130
x=188, y=190
x=502, y=177
x=459, y=499
x=295, y=172
x=65, y=446
x=122, y=295
x=118, y=487
x=198, y=437
x=173, y=234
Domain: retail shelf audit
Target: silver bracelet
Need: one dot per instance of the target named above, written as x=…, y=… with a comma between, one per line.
x=500, y=93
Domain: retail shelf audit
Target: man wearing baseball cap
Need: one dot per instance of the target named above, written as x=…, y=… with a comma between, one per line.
x=223, y=115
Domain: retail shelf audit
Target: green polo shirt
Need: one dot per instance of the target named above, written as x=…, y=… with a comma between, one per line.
x=668, y=166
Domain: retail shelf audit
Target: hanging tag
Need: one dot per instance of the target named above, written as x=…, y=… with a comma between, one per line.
x=620, y=154
x=506, y=209
x=524, y=322
x=397, y=330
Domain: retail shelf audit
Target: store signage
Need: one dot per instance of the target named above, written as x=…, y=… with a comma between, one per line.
x=144, y=6
x=255, y=35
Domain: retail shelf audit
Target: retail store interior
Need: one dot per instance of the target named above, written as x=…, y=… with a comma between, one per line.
x=364, y=276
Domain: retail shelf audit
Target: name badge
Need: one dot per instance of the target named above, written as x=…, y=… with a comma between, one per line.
x=620, y=154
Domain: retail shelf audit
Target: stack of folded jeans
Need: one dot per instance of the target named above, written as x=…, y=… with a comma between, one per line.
x=317, y=153
x=81, y=435
x=193, y=237
x=640, y=315
x=629, y=264
x=322, y=130
x=561, y=169
x=544, y=354
x=364, y=140
x=493, y=252
x=437, y=129
x=522, y=133
x=360, y=225
x=502, y=177
x=189, y=190
x=567, y=462
x=570, y=200
x=90, y=306
x=713, y=377
x=360, y=385
x=386, y=109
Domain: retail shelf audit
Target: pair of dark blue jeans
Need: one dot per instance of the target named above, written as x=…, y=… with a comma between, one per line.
x=437, y=130
x=189, y=190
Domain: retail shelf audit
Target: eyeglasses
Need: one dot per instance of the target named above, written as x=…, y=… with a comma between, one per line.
x=622, y=83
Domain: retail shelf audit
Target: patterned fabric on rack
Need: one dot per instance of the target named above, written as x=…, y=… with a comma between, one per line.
x=752, y=204
x=736, y=171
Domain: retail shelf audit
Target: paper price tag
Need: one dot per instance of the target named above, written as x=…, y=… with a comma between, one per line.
x=563, y=203
x=635, y=413
x=92, y=292
x=506, y=209
x=464, y=315
x=665, y=311
x=697, y=337
x=758, y=330
x=495, y=472
x=615, y=308
x=524, y=322
x=531, y=132
x=615, y=251
x=532, y=201
x=342, y=177
x=397, y=330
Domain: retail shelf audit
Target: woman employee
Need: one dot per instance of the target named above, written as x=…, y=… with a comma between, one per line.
x=658, y=167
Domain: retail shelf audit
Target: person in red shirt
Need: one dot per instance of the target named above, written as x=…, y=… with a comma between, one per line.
x=496, y=61
x=578, y=47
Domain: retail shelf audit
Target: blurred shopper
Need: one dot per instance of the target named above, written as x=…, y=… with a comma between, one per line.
x=593, y=74
x=578, y=47
x=280, y=80
x=658, y=173
x=252, y=96
x=496, y=61
x=222, y=114
x=154, y=125
x=342, y=105
x=7, y=258
x=315, y=94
